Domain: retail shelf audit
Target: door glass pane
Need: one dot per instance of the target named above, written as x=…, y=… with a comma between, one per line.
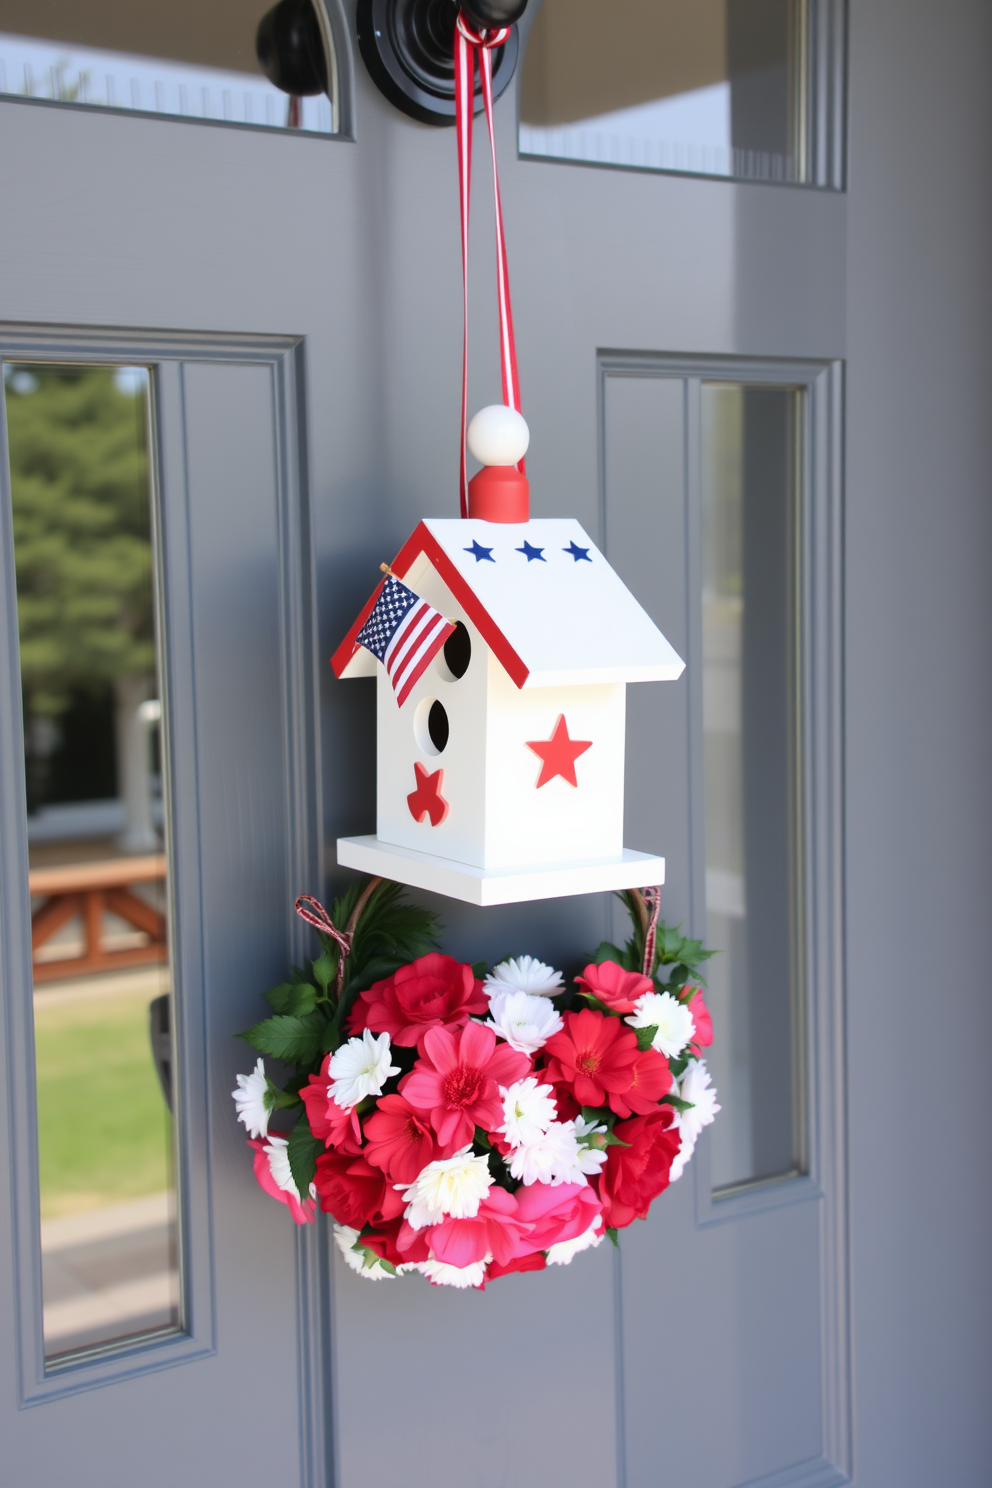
x=78, y=451
x=749, y=479
x=194, y=60
x=714, y=87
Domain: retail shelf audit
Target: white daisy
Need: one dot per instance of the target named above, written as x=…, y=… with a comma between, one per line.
x=562, y=1253
x=345, y=1238
x=672, y=1019
x=697, y=1087
x=253, y=1100
x=441, y=1274
x=359, y=1068
x=451, y=1185
x=525, y=1021
x=554, y=1157
x=528, y=1110
x=524, y=974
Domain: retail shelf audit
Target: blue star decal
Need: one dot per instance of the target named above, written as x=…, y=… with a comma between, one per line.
x=577, y=553
x=531, y=552
x=479, y=552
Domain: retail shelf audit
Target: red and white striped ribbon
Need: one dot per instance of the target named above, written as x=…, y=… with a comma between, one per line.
x=470, y=44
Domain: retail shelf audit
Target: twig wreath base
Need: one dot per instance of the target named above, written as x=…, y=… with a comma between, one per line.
x=466, y=1122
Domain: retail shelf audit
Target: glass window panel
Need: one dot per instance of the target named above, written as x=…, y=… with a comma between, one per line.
x=713, y=87
x=80, y=488
x=194, y=60
x=749, y=481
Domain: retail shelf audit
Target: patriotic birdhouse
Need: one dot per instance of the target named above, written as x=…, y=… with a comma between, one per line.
x=502, y=652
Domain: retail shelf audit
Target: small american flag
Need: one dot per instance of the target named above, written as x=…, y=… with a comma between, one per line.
x=405, y=633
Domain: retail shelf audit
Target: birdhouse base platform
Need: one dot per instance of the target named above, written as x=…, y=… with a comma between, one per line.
x=631, y=870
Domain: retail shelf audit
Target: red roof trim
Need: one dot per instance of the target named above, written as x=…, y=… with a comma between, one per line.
x=423, y=541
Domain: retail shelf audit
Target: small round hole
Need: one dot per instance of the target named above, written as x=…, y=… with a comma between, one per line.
x=430, y=726
x=457, y=653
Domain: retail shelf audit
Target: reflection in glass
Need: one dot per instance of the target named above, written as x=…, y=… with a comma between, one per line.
x=77, y=441
x=183, y=58
x=750, y=438
x=713, y=87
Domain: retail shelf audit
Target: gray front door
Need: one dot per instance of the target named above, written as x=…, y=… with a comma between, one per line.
x=678, y=229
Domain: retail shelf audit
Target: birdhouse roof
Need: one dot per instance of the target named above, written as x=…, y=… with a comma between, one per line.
x=541, y=595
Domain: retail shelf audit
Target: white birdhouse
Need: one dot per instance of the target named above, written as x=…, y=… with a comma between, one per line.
x=500, y=773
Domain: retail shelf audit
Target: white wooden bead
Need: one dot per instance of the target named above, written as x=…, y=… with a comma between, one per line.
x=498, y=435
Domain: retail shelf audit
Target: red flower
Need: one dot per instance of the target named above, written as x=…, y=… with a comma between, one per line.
x=496, y=1230
x=400, y=1140
x=594, y=1054
x=703, y=1035
x=533, y=1262
x=636, y=1174
x=615, y=988
x=563, y=1212
x=431, y=991
x=303, y=1213
x=383, y=1241
x=353, y=1192
x=457, y=1081
x=335, y=1125
x=650, y=1080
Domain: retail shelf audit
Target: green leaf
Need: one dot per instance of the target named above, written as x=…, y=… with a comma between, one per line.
x=302, y=1150
x=480, y=969
x=645, y=1036
x=278, y=997
x=482, y=1138
x=594, y=1002
x=296, y=998
x=611, y=1231
x=292, y=1039
x=677, y=1102
x=285, y=1100
x=325, y=970
x=609, y=952
x=611, y=1141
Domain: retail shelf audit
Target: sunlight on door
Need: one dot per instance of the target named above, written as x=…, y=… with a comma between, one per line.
x=750, y=446
x=80, y=489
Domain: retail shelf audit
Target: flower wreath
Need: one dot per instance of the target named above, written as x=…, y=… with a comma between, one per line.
x=467, y=1123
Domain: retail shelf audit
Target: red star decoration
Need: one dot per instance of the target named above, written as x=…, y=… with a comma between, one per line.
x=558, y=754
x=427, y=799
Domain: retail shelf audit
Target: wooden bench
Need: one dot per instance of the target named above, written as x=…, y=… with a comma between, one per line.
x=89, y=891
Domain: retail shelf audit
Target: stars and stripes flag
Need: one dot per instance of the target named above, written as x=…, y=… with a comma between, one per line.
x=405, y=633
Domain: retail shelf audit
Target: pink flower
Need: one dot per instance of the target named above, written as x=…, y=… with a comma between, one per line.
x=613, y=987
x=554, y=1214
x=303, y=1213
x=335, y=1126
x=495, y=1230
x=400, y=1140
x=457, y=1081
x=703, y=1035
x=432, y=991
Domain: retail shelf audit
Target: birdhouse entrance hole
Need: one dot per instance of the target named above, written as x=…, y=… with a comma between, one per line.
x=430, y=726
x=457, y=653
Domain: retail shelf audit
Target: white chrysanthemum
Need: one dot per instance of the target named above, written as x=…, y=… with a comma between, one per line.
x=591, y=1155
x=672, y=1019
x=525, y=1021
x=253, y=1101
x=277, y=1151
x=453, y=1186
x=524, y=974
x=345, y=1238
x=554, y=1157
x=528, y=1110
x=359, y=1068
x=696, y=1087
x=441, y=1274
x=562, y=1253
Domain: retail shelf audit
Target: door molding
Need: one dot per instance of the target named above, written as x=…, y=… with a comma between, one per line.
x=823, y=1180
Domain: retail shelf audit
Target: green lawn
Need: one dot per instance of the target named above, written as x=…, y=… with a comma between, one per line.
x=104, y=1132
